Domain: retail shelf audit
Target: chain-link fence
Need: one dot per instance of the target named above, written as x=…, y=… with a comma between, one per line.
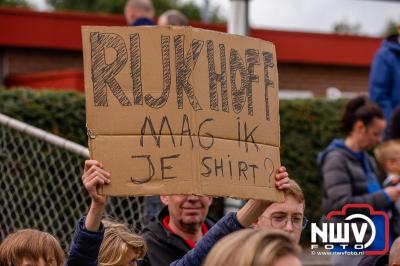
x=40, y=184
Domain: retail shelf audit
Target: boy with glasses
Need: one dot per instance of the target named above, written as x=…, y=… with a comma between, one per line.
x=288, y=215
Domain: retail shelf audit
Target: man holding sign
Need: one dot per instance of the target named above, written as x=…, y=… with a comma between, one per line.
x=183, y=111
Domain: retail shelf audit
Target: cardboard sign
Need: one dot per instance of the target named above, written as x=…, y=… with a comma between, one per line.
x=179, y=110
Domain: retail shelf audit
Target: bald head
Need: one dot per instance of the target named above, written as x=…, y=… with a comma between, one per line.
x=136, y=9
x=172, y=17
x=394, y=256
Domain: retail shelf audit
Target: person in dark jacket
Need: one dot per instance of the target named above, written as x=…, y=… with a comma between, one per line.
x=180, y=225
x=384, y=78
x=167, y=245
x=391, y=259
x=97, y=242
x=349, y=174
x=395, y=124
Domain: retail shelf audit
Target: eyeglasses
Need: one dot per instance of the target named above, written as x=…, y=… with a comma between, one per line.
x=280, y=221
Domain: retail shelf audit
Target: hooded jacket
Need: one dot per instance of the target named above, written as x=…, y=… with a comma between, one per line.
x=163, y=246
x=384, y=78
x=350, y=177
x=344, y=180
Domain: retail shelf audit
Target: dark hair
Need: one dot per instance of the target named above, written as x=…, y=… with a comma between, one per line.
x=395, y=127
x=359, y=109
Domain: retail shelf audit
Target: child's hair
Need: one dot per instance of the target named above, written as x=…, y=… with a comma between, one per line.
x=387, y=151
x=117, y=239
x=31, y=244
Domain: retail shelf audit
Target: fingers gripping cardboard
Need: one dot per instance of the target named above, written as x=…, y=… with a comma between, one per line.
x=179, y=110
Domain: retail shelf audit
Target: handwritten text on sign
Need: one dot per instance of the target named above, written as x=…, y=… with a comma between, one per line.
x=182, y=111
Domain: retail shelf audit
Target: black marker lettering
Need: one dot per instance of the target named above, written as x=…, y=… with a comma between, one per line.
x=242, y=167
x=162, y=100
x=151, y=170
x=203, y=163
x=249, y=136
x=165, y=121
x=103, y=74
x=205, y=134
x=268, y=63
x=252, y=58
x=220, y=167
x=214, y=77
x=163, y=167
x=148, y=121
x=187, y=131
x=254, y=167
x=184, y=68
x=136, y=69
x=238, y=95
x=230, y=167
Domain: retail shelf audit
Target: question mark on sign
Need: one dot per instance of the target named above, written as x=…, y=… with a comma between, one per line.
x=269, y=169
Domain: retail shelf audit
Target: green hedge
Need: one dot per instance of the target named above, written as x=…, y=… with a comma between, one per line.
x=307, y=126
x=59, y=112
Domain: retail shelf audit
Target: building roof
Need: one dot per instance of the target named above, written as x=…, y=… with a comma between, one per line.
x=62, y=30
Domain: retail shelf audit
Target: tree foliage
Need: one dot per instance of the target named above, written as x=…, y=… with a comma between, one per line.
x=344, y=27
x=14, y=3
x=391, y=28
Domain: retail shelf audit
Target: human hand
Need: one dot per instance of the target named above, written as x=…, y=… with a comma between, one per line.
x=282, y=179
x=250, y=212
x=94, y=176
x=393, y=192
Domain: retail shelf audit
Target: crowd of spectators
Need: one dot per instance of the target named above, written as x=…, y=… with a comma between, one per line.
x=179, y=231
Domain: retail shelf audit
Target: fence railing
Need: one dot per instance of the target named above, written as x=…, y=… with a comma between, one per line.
x=40, y=183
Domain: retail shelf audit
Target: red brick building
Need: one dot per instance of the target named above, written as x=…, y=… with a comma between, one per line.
x=41, y=49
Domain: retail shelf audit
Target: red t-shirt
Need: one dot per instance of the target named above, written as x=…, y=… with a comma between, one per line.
x=191, y=243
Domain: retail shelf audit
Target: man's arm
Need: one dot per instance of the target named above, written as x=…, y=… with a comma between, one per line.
x=231, y=222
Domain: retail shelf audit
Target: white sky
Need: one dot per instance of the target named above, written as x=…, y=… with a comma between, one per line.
x=312, y=15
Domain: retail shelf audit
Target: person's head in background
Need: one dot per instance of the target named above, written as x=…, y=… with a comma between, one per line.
x=388, y=156
x=30, y=247
x=362, y=123
x=172, y=17
x=394, y=255
x=252, y=247
x=139, y=12
x=120, y=246
x=288, y=215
